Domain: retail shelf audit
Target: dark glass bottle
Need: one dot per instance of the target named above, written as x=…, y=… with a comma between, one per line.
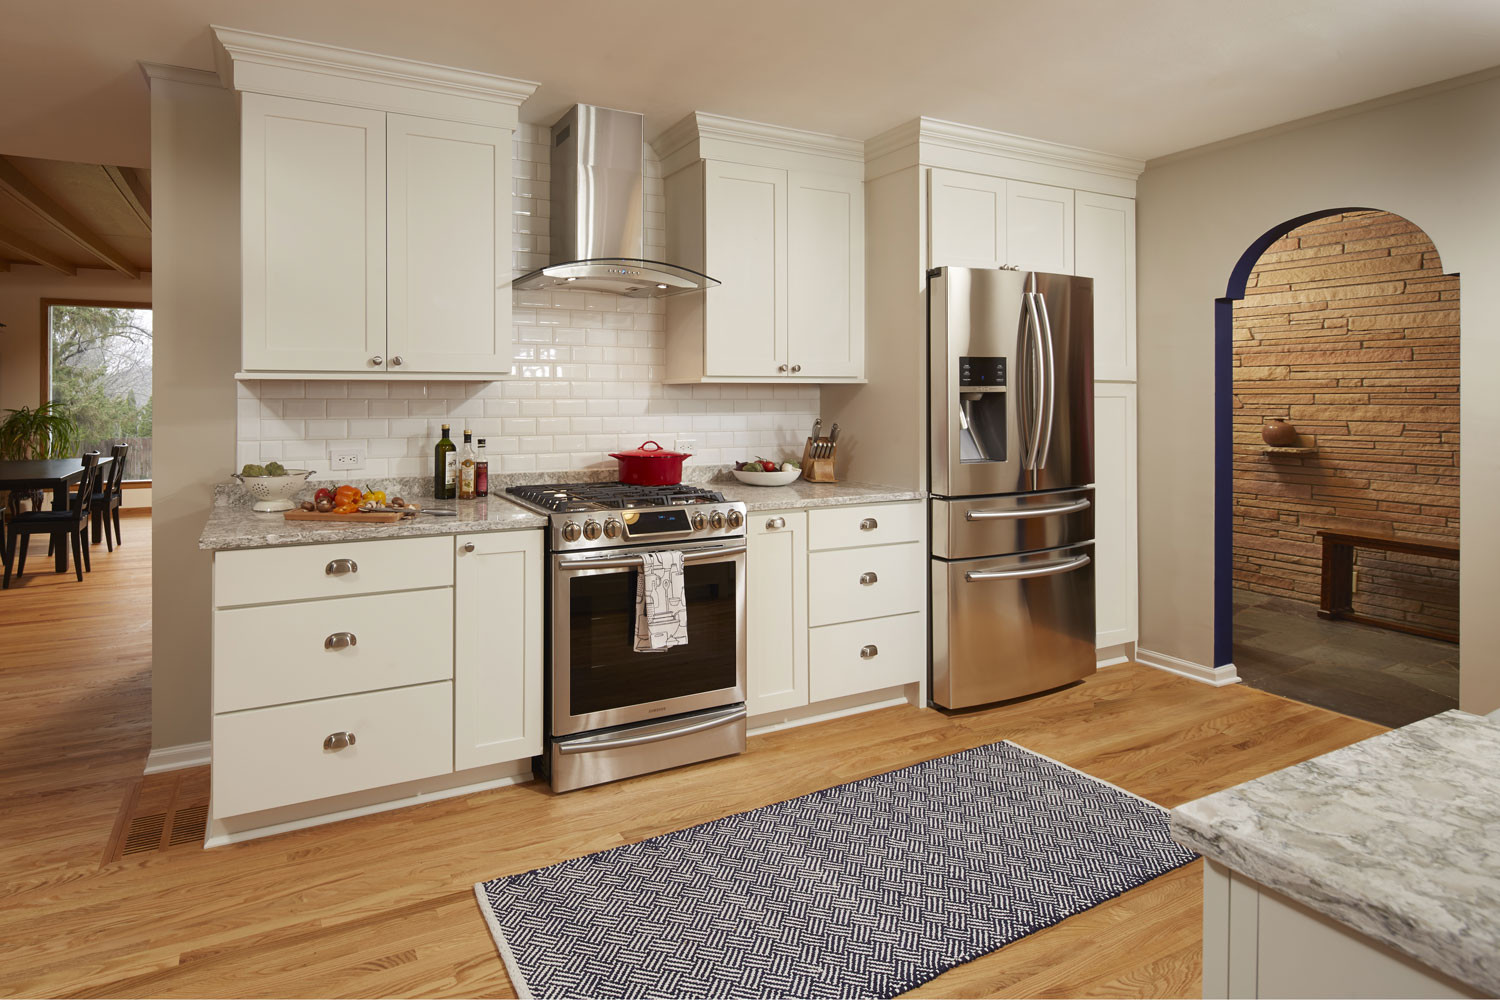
x=445, y=468
x=481, y=473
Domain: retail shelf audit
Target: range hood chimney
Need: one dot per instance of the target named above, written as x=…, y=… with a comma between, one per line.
x=599, y=211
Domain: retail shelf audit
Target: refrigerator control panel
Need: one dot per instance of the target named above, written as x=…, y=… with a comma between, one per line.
x=976, y=372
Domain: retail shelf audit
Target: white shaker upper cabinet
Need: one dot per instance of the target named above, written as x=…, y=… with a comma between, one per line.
x=745, y=236
x=1039, y=227
x=826, y=276
x=1106, y=253
x=776, y=611
x=966, y=220
x=1115, y=556
x=448, y=252
x=312, y=210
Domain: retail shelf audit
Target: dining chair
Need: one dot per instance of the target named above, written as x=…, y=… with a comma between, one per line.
x=107, y=500
x=56, y=524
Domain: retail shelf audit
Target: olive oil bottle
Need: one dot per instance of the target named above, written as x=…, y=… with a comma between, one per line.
x=466, y=468
x=445, y=468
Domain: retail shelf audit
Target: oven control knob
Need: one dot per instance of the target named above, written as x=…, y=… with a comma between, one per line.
x=571, y=532
x=591, y=529
x=716, y=519
x=735, y=518
x=699, y=521
x=611, y=528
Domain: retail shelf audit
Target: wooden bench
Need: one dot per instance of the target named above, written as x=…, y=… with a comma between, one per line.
x=1338, y=577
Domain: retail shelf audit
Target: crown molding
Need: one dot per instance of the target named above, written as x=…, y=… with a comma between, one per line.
x=704, y=136
x=180, y=74
x=289, y=67
x=934, y=136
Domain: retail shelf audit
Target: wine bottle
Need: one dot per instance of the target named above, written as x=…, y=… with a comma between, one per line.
x=481, y=473
x=445, y=468
x=466, y=469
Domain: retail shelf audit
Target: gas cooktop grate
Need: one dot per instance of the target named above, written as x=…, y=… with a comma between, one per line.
x=565, y=498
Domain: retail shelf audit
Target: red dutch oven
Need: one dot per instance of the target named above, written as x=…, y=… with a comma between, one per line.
x=653, y=467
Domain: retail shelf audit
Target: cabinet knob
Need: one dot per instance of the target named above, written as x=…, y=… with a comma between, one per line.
x=775, y=522
x=338, y=741
x=796, y=369
x=869, y=524
x=377, y=360
x=398, y=361
x=866, y=579
x=339, y=567
x=782, y=368
x=869, y=652
x=340, y=640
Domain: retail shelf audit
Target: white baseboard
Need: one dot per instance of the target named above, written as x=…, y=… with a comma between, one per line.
x=1110, y=656
x=1217, y=676
x=183, y=755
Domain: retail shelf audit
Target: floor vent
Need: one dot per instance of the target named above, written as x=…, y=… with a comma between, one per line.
x=160, y=812
x=188, y=825
x=144, y=834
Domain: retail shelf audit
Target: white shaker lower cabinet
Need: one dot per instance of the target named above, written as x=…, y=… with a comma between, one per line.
x=1115, y=513
x=499, y=590
x=776, y=611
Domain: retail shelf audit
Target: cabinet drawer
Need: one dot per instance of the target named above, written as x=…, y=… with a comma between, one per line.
x=872, y=524
x=866, y=656
x=299, y=572
x=278, y=653
x=854, y=584
x=272, y=757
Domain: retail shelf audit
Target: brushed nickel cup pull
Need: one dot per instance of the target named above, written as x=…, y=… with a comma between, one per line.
x=377, y=360
x=340, y=640
x=866, y=579
x=869, y=524
x=869, y=652
x=776, y=522
x=338, y=741
x=468, y=546
x=338, y=567
x=398, y=361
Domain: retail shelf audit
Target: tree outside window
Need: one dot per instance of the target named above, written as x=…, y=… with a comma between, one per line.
x=101, y=371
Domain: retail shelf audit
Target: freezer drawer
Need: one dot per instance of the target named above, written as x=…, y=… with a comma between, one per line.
x=1021, y=522
x=1009, y=626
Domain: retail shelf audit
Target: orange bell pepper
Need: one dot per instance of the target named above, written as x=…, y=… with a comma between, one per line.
x=346, y=495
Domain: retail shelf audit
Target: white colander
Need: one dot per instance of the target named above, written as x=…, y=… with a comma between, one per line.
x=273, y=493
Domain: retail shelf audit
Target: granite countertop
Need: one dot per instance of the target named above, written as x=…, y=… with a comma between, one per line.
x=232, y=524
x=1394, y=837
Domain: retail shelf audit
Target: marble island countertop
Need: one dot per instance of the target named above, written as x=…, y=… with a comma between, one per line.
x=1395, y=837
x=232, y=524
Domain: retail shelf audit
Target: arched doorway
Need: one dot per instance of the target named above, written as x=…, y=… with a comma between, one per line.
x=1343, y=320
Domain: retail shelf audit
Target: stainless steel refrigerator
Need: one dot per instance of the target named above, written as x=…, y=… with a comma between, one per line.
x=1011, y=468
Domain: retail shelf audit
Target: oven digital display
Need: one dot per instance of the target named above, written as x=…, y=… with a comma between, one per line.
x=655, y=522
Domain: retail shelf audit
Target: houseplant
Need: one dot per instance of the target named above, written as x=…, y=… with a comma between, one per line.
x=45, y=432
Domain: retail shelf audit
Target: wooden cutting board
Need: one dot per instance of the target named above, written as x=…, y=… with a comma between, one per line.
x=372, y=517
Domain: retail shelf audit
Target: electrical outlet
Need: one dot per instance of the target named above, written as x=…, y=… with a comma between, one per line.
x=346, y=459
x=688, y=445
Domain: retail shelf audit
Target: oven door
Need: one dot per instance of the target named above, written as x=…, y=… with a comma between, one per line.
x=599, y=680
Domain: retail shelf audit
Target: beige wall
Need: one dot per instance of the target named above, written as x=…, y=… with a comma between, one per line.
x=22, y=289
x=1433, y=160
x=195, y=196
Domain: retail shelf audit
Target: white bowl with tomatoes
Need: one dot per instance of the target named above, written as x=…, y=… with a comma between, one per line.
x=763, y=472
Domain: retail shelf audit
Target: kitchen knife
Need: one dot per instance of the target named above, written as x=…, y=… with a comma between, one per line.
x=833, y=438
x=817, y=426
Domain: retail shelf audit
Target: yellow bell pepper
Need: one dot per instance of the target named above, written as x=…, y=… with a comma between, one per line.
x=373, y=496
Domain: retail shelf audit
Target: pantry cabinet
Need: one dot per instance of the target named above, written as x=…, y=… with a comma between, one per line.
x=1106, y=252
x=782, y=229
x=1115, y=557
x=776, y=611
x=375, y=212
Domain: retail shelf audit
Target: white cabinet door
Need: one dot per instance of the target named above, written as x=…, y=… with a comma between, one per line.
x=745, y=234
x=1039, y=227
x=826, y=276
x=1115, y=585
x=1106, y=252
x=312, y=235
x=448, y=256
x=965, y=220
x=497, y=647
x=776, y=611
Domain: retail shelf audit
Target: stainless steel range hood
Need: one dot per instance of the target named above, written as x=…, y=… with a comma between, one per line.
x=599, y=211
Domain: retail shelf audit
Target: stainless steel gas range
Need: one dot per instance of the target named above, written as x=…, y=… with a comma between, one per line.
x=613, y=712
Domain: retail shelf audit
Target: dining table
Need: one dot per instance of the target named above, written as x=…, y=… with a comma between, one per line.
x=56, y=474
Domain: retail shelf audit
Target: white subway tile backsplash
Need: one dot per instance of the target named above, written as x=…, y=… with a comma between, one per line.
x=587, y=380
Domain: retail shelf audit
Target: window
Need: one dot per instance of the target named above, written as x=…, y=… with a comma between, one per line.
x=100, y=370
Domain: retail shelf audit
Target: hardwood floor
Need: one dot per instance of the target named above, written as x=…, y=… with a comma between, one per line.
x=382, y=905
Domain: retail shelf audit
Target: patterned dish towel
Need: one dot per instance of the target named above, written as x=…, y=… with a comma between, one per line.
x=660, y=603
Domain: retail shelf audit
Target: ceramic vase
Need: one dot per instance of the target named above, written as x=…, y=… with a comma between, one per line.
x=1278, y=433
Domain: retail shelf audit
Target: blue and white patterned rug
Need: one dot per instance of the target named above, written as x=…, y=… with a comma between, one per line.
x=863, y=890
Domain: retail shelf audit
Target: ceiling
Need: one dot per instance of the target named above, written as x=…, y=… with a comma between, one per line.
x=1136, y=77
x=64, y=216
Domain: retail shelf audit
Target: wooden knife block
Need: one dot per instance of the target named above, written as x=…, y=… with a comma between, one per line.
x=818, y=470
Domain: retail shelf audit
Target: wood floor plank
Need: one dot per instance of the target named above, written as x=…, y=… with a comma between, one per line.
x=382, y=905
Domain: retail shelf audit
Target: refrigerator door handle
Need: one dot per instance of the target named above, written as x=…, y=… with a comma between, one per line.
x=1033, y=379
x=1020, y=512
x=1049, y=569
x=1049, y=393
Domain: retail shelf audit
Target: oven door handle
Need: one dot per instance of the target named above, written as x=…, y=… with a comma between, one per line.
x=635, y=562
x=607, y=742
